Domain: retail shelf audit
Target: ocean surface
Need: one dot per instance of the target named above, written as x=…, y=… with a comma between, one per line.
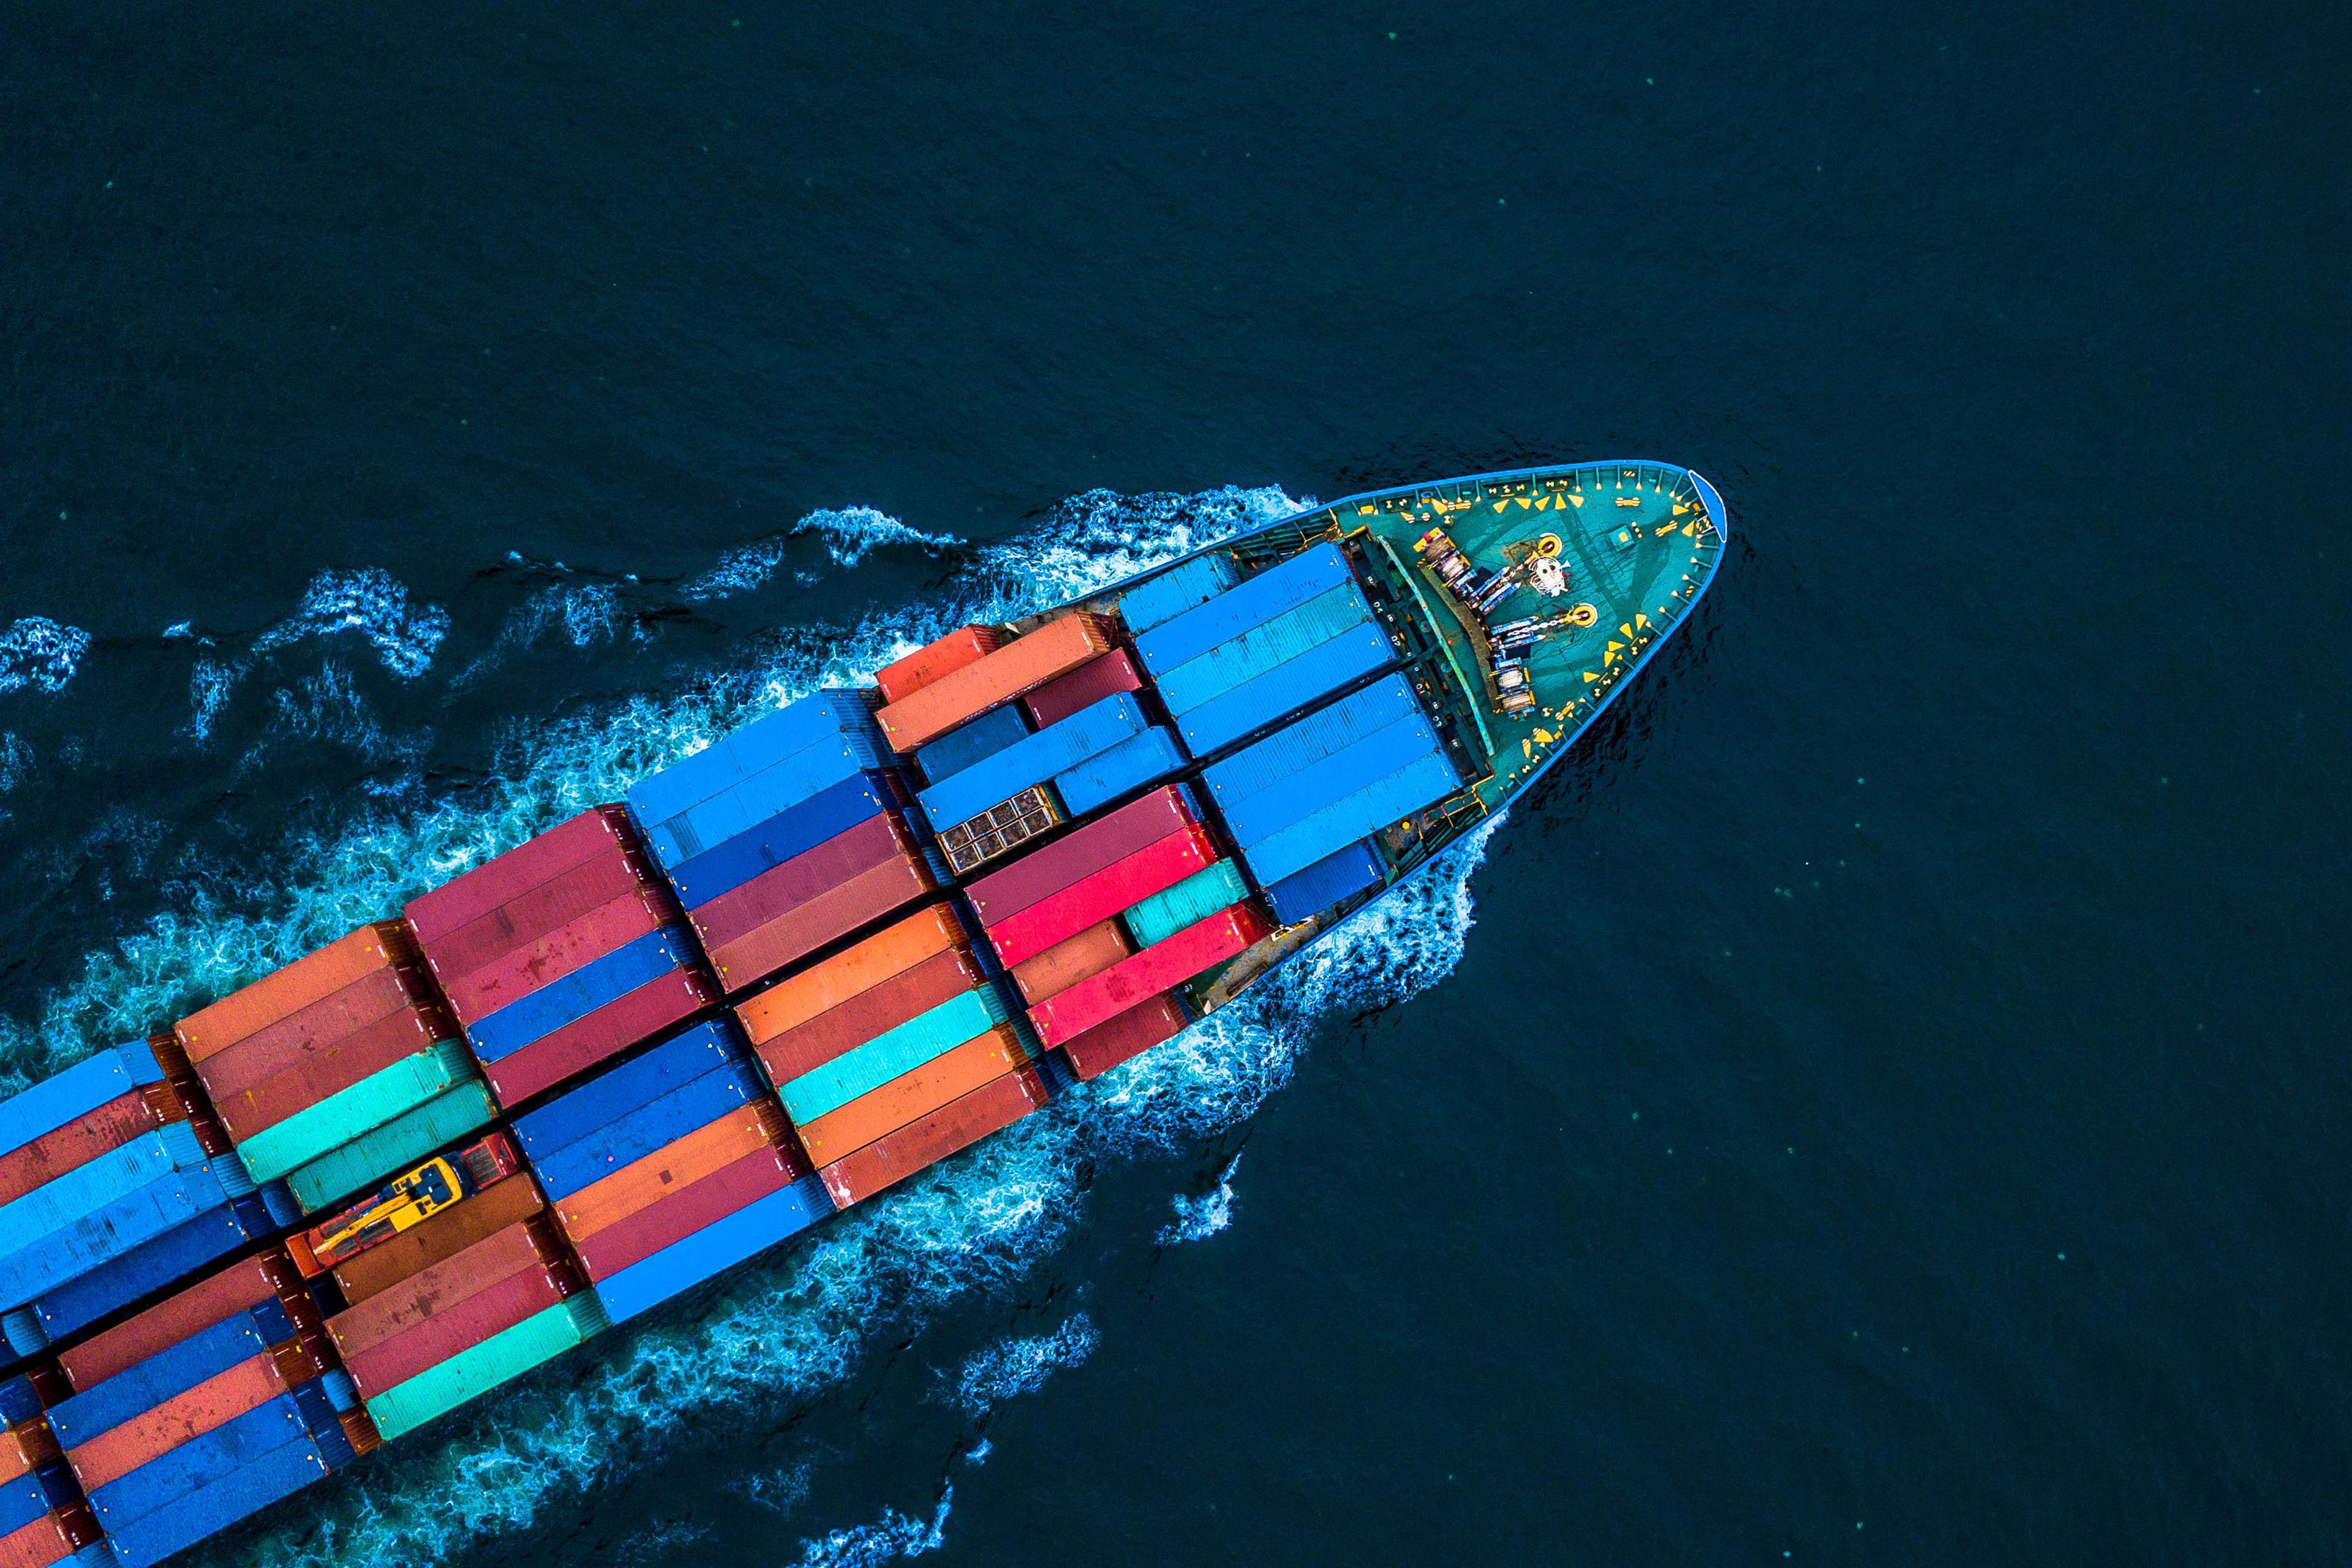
x=1884, y=1099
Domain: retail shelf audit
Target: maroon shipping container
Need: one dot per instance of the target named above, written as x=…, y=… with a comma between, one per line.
x=850, y=1024
x=522, y=920
x=1047, y=871
x=76, y=1145
x=780, y=889
x=462, y=1327
x=542, y=962
x=268, y=1051
x=609, y=1030
x=863, y=900
x=959, y=1123
x=1084, y=687
x=166, y=1323
x=679, y=1214
x=599, y=830
x=1127, y=1036
x=333, y=1066
x=433, y=1291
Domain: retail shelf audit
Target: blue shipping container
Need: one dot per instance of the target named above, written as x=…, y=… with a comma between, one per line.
x=90, y=1187
x=1260, y=817
x=793, y=830
x=758, y=745
x=760, y=796
x=240, y=1494
x=199, y=1462
x=90, y=1240
x=1260, y=599
x=1088, y=732
x=1135, y=762
x=535, y=1015
x=632, y=1137
x=1297, y=630
x=1320, y=733
x=1182, y=586
x=705, y=1048
x=1326, y=882
x=170, y=1372
x=22, y=1501
x=749, y=1230
x=1285, y=688
x=983, y=737
x=82, y=1087
x=1420, y=782
x=159, y=1261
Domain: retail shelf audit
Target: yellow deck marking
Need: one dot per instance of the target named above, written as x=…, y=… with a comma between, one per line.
x=1576, y=501
x=1501, y=504
x=1524, y=503
x=1625, y=631
x=1590, y=677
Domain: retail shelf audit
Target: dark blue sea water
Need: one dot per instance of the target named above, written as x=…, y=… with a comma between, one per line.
x=1883, y=1101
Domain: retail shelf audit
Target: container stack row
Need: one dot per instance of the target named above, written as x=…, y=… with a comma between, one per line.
x=1264, y=648
x=1114, y=919
x=785, y=836
x=670, y=1168
x=204, y=1409
x=117, y=1181
x=1087, y=758
x=560, y=954
x=1304, y=803
x=893, y=1054
x=44, y=1518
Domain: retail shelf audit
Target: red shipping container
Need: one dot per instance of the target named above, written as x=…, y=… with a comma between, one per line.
x=476, y=996
x=446, y=1235
x=1083, y=851
x=310, y=979
x=691, y=1208
x=861, y=900
x=25, y=1446
x=1071, y=960
x=609, y=1030
x=1058, y=916
x=600, y=830
x=1020, y=666
x=525, y=919
x=780, y=889
x=333, y=1066
x=849, y=1025
x=1084, y=687
x=75, y=1144
x=912, y=1095
x=965, y=644
x=427, y=1294
x=1159, y=967
x=35, y=1545
x=200, y=1306
x=465, y=1325
x=182, y=1418
x=856, y=968
x=988, y=1108
x=1096, y=1051
x=368, y=1000
x=673, y=1167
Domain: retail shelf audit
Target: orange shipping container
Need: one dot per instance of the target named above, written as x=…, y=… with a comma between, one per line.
x=24, y=1447
x=182, y=1418
x=912, y=1096
x=965, y=644
x=1071, y=960
x=609, y=1199
x=446, y=1235
x=520, y=1246
x=1022, y=665
x=309, y=979
x=892, y=952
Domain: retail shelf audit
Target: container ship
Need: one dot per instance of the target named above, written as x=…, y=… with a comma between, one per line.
x=840, y=945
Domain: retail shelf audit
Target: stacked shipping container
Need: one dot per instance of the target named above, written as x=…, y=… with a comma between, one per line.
x=204, y=1410
x=670, y=1168
x=893, y=1054
x=1014, y=670
x=44, y=1518
x=116, y=1180
x=558, y=953
x=1273, y=645
x=785, y=836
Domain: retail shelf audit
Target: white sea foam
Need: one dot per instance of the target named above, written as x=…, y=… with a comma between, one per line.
x=849, y=535
x=782, y=1331
x=41, y=653
x=373, y=602
x=585, y=614
x=890, y=1538
x=1200, y=1215
x=1021, y=1366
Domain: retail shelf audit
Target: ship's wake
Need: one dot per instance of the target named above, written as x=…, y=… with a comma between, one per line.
x=776, y=1335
